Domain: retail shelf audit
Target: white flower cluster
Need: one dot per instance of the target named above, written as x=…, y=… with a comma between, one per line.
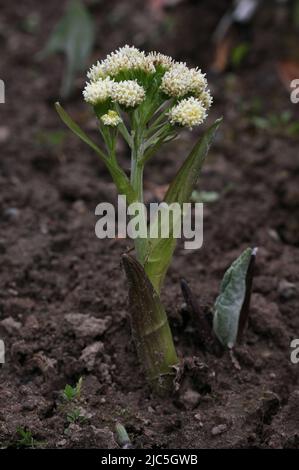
x=111, y=119
x=188, y=86
x=189, y=112
x=125, y=58
x=179, y=80
x=156, y=58
x=128, y=93
x=206, y=99
x=99, y=91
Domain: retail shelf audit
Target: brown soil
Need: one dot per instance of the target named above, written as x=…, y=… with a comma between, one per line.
x=63, y=294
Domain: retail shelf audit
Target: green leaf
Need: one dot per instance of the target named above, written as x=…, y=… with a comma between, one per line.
x=118, y=175
x=239, y=53
x=181, y=188
x=229, y=303
x=160, y=250
x=66, y=118
x=74, y=37
x=69, y=392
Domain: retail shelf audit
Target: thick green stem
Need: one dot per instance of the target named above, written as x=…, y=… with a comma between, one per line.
x=137, y=177
x=150, y=329
x=137, y=167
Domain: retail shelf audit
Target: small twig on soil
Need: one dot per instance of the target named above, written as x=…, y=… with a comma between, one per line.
x=234, y=360
x=201, y=322
x=129, y=250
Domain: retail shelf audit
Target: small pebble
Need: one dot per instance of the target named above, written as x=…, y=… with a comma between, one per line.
x=219, y=429
x=191, y=398
x=62, y=443
x=10, y=325
x=4, y=134
x=11, y=213
x=80, y=206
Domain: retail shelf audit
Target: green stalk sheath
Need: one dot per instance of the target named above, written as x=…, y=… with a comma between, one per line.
x=137, y=167
x=137, y=178
x=137, y=185
x=150, y=329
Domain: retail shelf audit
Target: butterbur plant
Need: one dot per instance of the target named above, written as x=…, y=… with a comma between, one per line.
x=148, y=99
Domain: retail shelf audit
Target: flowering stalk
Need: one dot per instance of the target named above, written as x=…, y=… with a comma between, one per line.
x=147, y=99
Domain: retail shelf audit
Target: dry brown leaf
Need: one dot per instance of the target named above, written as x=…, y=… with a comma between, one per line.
x=222, y=55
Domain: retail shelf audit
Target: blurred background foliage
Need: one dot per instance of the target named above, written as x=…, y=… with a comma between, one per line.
x=227, y=38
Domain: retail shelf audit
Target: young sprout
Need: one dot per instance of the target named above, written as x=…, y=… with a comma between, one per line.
x=232, y=305
x=75, y=416
x=71, y=393
x=122, y=437
x=26, y=438
x=148, y=99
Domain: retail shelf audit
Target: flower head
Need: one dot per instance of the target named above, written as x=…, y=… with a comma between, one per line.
x=179, y=80
x=125, y=58
x=111, y=118
x=96, y=71
x=163, y=60
x=206, y=98
x=198, y=81
x=128, y=93
x=189, y=112
x=115, y=78
x=99, y=91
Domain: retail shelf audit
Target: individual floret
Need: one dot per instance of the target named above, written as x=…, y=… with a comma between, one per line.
x=189, y=112
x=99, y=91
x=128, y=93
x=111, y=119
x=162, y=60
x=179, y=80
x=206, y=99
